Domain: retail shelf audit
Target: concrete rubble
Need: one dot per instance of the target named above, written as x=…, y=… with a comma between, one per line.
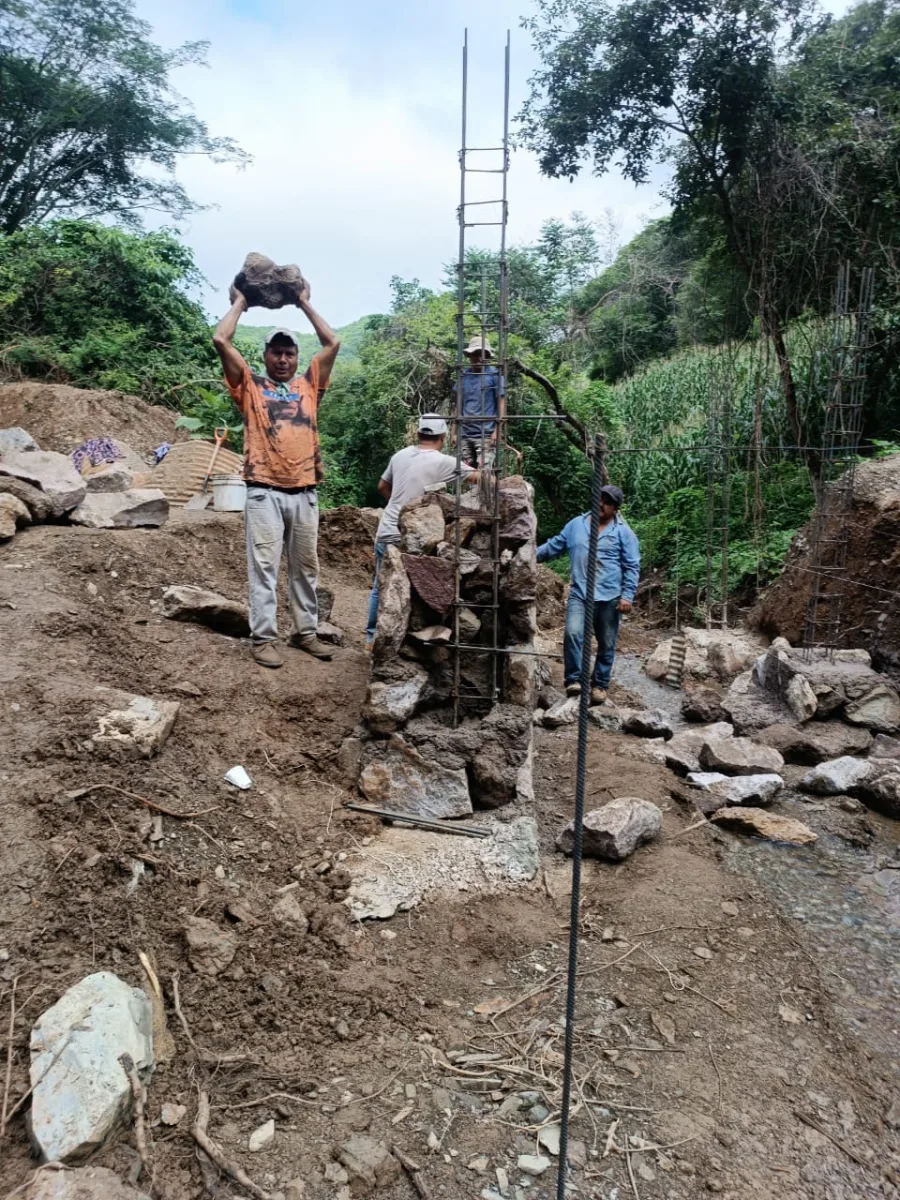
x=81, y=1092
x=137, y=728
x=615, y=830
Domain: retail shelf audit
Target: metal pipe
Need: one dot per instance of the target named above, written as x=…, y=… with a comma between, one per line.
x=421, y=822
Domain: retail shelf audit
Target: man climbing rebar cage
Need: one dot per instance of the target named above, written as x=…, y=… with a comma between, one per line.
x=618, y=570
x=483, y=402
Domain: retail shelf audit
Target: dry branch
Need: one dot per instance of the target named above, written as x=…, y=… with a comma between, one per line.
x=209, y=1147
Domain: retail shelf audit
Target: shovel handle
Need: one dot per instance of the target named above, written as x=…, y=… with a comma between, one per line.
x=221, y=434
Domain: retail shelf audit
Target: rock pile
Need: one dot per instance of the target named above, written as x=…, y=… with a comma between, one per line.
x=41, y=485
x=411, y=758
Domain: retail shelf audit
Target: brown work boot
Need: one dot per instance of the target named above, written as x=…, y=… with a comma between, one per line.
x=598, y=695
x=266, y=654
x=310, y=644
x=573, y=689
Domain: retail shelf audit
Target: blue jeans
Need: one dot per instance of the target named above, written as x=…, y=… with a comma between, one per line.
x=606, y=630
x=380, y=548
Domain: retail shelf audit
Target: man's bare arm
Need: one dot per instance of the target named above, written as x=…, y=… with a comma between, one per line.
x=385, y=488
x=326, y=335
x=223, y=339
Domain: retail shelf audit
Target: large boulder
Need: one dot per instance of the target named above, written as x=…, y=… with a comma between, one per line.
x=649, y=723
x=878, y=709
x=883, y=792
x=140, y=507
x=15, y=439
x=819, y=683
x=764, y=824
x=682, y=752
x=885, y=747
x=815, y=742
x=394, y=606
x=737, y=790
x=138, y=728
x=50, y=473
x=739, y=756
x=81, y=1092
x=111, y=477
x=748, y=707
x=13, y=515
x=702, y=706
x=398, y=778
x=615, y=830
x=38, y=503
x=390, y=705
x=264, y=284
x=839, y=777
x=501, y=767
x=183, y=602
x=422, y=526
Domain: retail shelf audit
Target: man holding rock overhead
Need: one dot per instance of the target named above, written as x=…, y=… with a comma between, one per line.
x=282, y=468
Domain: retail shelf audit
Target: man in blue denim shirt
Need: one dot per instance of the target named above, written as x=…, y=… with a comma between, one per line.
x=618, y=568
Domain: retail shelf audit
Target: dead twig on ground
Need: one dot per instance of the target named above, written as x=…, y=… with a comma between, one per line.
x=140, y=1128
x=9, y=1056
x=631, y=1178
x=375, y=1095
x=266, y=1099
x=688, y=829
x=611, y=1138
x=723, y=1005
x=209, y=1147
x=820, y=1128
x=712, y=1058
x=166, y=812
x=414, y=1171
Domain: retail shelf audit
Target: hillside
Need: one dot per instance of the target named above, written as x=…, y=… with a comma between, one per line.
x=351, y=336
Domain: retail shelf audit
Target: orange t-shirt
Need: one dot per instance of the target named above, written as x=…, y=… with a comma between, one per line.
x=281, y=436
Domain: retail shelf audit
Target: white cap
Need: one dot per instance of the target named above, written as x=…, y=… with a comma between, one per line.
x=283, y=333
x=432, y=425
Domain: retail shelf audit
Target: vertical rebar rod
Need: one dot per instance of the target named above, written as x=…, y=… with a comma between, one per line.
x=460, y=343
x=580, y=780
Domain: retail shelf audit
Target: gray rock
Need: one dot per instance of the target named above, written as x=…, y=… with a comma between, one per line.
x=183, y=602
x=501, y=767
x=885, y=747
x=112, y=478
x=137, y=729
x=37, y=502
x=369, y=1163
x=883, y=793
x=564, y=712
x=747, y=789
x=394, y=606
x=326, y=632
x=81, y=1092
x=801, y=699
x=287, y=910
x=50, y=473
x=81, y=1183
x=140, y=507
x=469, y=561
x=878, y=709
x=615, y=830
x=262, y=1136
x=703, y=705
x=422, y=527
x=469, y=625
x=765, y=825
x=390, y=705
x=533, y=1164
x=749, y=707
x=402, y=780
x=650, y=723
x=816, y=742
x=739, y=756
x=519, y=583
x=550, y=695
x=838, y=777
x=210, y=949
x=705, y=779
x=264, y=284
x=519, y=676
x=348, y=760
x=683, y=750
x=13, y=515
x=15, y=440
x=606, y=718
x=517, y=520
x=324, y=603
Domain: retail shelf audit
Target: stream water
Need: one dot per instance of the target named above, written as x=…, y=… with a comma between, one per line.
x=844, y=899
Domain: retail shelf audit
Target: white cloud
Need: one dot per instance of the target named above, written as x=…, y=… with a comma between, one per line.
x=354, y=130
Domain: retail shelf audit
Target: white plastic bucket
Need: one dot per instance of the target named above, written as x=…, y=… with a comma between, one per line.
x=229, y=493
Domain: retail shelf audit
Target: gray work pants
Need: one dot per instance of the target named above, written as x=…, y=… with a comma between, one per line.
x=273, y=519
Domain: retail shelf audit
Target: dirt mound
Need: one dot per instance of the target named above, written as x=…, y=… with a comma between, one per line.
x=870, y=615
x=61, y=418
x=346, y=538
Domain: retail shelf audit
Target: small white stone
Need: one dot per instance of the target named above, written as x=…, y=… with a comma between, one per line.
x=533, y=1164
x=262, y=1137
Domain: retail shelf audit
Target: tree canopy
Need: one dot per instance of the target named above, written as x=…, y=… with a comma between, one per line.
x=89, y=123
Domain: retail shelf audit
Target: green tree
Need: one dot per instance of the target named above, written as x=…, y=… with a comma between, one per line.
x=99, y=307
x=86, y=106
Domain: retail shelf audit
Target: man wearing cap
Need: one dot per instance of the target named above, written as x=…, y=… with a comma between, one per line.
x=483, y=401
x=282, y=468
x=618, y=568
x=409, y=475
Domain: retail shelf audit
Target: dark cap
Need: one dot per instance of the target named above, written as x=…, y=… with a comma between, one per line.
x=613, y=494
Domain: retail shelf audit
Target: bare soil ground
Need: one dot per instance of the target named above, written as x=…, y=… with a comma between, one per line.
x=711, y=1059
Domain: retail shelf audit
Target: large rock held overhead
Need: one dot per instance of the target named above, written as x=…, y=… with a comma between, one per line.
x=140, y=507
x=50, y=473
x=264, y=284
x=81, y=1092
x=183, y=602
x=616, y=830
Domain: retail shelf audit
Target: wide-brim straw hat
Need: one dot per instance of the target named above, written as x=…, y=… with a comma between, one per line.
x=479, y=345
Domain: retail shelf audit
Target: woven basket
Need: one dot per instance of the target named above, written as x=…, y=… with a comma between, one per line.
x=181, y=473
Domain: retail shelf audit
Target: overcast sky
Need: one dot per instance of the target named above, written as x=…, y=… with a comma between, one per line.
x=351, y=111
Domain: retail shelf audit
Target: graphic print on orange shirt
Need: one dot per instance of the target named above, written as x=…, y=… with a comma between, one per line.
x=281, y=434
